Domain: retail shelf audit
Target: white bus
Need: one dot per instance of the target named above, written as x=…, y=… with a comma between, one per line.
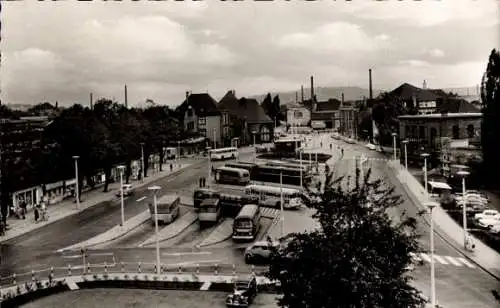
x=223, y=153
x=210, y=211
x=168, y=209
x=270, y=196
x=246, y=225
x=230, y=175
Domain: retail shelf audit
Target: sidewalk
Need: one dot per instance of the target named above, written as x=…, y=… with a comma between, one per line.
x=482, y=255
x=67, y=207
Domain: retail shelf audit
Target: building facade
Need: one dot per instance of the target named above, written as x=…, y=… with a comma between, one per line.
x=349, y=120
x=199, y=114
x=297, y=115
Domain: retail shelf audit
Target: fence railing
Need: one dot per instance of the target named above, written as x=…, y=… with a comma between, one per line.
x=128, y=267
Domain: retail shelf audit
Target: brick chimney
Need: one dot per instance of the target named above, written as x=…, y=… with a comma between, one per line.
x=302, y=94
x=370, y=83
x=312, y=88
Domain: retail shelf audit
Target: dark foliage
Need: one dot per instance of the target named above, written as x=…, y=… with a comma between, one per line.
x=359, y=256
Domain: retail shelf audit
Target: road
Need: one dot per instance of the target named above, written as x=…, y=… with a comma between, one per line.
x=459, y=283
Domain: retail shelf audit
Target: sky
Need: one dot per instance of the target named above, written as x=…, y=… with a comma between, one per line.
x=62, y=51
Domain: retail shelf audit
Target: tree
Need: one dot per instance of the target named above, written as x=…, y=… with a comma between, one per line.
x=267, y=104
x=359, y=256
x=490, y=126
x=276, y=112
x=385, y=112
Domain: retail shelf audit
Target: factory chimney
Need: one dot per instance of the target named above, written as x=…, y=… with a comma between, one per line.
x=312, y=88
x=370, y=83
x=126, y=98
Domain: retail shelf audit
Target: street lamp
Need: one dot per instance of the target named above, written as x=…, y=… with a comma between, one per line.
x=431, y=206
x=394, y=144
x=142, y=160
x=405, y=143
x=300, y=160
x=121, y=168
x=77, y=188
x=155, y=190
x=464, y=174
x=281, y=206
x=425, y=155
x=254, y=148
x=178, y=153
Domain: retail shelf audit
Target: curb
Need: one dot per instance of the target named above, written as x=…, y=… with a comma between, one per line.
x=111, y=199
x=171, y=236
x=213, y=243
x=439, y=232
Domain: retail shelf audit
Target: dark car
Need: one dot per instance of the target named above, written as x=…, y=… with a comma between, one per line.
x=245, y=290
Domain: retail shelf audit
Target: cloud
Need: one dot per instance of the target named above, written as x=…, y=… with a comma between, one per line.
x=336, y=37
x=435, y=53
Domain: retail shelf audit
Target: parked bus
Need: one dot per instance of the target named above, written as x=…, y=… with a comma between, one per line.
x=270, y=196
x=271, y=174
x=250, y=167
x=201, y=194
x=230, y=175
x=290, y=164
x=224, y=153
x=210, y=211
x=246, y=225
x=167, y=207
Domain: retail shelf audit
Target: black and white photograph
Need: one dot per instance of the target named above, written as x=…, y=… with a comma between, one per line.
x=286, y=153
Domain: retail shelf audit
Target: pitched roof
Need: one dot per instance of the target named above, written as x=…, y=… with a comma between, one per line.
x=406, y=92
x=330, y=105
x=457, y=106
x=202, y=103
x=242, y=108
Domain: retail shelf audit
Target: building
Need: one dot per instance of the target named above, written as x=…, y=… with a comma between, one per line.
x=21, y=150
x=418, y=100
x=327, y=112
x=349, y=120
x=244, y=120
x=298, y=115
x=198, y=113
x=436, y=133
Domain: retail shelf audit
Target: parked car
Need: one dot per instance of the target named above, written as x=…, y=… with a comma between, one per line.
x=495, y=229
x=128, y=190
x=488, y=214
x=488, y=223
x=371, y=146
x=260, y=251
x=244, y=292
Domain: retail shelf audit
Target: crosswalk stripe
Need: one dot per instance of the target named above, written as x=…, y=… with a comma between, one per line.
x=425, y=257
x=452, y=260
x=467, y=263
x=440, y=260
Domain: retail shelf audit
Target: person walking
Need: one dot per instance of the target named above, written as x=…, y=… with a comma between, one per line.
x=23, y=206
x=201, y=182
x=36, y=213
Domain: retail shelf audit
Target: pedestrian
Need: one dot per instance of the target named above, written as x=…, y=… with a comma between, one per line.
x=321, y=144
x=342, y=151
x=330, y=146
x=201, y=182
x=171, y=167
x=36, y=213
x=23, y=209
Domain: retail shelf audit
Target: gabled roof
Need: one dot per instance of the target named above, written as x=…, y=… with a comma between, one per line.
x=243, y=108
x=457, y=106
x=406, y=92
x=330, y=105
x=202, y=103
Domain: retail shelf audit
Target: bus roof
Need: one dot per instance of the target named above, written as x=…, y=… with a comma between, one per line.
x=284, y=168
x=224, y=168
x=209, y=202
x=242, y=163
x=168, y=199
x=248, y=211
x=274, y=189
x=206, y=190
x=223, y=149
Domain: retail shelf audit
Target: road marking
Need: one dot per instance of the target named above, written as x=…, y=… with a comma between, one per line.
x=440, y=260
x=205, y=286
x=140, y=199
x=178, y=254
x=464, y=261
x=102, y=254
x=452, y=260
x=425, y=257
x=72, y=257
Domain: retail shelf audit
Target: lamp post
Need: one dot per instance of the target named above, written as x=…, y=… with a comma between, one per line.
x=394, y=144
x=300, y=161
x=178, y=153
x=464, y=174
x=77, y=188
x=142, y=160
x=431, y=206
x=405, y=143
x=254, y=147
x=121, y=168
x=425, y=155
x=281, y=206
x=209, y=168
x=155, y=190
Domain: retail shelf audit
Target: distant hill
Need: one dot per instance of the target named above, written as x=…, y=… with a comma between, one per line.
x=323, y=94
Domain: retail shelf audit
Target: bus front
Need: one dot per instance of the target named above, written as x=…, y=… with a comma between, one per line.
x=243, y=229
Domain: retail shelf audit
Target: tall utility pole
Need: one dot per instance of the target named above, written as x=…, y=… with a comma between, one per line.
x=370, y=83
x=126, y=98
x=91, y=102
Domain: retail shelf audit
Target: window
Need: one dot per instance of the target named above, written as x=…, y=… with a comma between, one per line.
x=408, y=131
x=190, y=126
x=433, y=134
x=203, y=132
x=470, y=131
x=421, y=132
x=298, y=114
x=190, y=111
x=456, y=132
x=202, y=121
x=225, y=119
x=265, y=134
